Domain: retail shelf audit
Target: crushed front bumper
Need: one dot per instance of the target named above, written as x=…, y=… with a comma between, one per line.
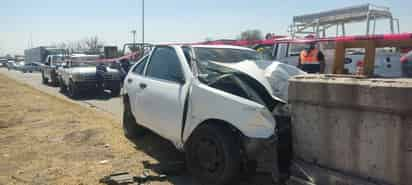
x=255, y=147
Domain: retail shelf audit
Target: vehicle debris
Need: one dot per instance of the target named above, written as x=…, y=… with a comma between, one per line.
x=104, y=162
x=170, y=168
x=124, y=178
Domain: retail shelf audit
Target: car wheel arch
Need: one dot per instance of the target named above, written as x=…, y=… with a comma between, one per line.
x=216, y=122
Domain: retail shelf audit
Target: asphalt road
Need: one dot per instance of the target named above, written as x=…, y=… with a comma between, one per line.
x=103, y=102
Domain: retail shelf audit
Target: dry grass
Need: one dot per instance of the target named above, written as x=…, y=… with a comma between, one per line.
x=47, y=140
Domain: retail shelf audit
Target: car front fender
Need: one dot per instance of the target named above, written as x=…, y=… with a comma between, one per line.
x=252, y=119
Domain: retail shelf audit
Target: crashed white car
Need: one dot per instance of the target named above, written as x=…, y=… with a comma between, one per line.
x=218, y=104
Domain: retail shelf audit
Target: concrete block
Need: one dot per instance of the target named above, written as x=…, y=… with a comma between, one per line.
x=355, y=126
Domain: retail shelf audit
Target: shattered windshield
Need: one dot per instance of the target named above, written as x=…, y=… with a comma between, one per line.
x=226, y=55
x=208, y=59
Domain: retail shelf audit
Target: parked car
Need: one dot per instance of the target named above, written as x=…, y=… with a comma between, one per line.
x=28, y=67
x=79, y=75
x=218, y=104
x=406, y=62
x=11, y=65
x=49, y=69
x=3, y=62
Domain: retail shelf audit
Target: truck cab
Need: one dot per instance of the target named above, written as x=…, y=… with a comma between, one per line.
x=288, y=50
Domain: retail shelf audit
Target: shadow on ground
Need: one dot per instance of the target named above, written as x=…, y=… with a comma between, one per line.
x=167, y=155
x=93, y=95
x=171, y=160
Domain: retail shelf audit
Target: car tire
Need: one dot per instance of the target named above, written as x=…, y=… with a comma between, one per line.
x=63, y=88
x=73, y=90
x=213, y=155
x=44, y=79
x=115, y=92
x=131, y=129
x=54, y=80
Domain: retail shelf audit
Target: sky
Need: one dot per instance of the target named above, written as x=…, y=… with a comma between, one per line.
x=49, y=22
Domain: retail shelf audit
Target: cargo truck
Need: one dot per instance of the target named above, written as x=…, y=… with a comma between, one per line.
x=39, y=54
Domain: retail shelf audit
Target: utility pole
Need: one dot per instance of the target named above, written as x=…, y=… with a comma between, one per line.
x=143, y=23
x=134, y=37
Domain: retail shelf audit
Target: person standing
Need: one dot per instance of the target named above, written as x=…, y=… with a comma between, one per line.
x=312, y=60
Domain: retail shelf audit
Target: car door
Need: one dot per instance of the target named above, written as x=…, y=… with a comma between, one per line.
x=132, y=84
x=281, y=53
x=163, y=95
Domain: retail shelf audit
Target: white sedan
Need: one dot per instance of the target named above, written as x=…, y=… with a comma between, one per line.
x=215, y=103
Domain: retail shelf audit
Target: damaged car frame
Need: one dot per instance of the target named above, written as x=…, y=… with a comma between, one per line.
x=215, y=103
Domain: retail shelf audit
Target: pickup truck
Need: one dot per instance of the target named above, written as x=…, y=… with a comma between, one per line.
x=218, y=104
x=49, y=69
x=287, y=51
x=78, y=75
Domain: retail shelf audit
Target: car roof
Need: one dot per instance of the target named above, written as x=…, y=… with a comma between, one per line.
x=208, y=46
x=222, y=46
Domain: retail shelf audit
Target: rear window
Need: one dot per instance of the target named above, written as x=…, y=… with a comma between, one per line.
x=225, y=55
x=296, y=48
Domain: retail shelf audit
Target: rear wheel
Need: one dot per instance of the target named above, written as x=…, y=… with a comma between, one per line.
x=115, y=92
x=43, y=78
x=130, y=127
x=54, y=80
x=63, y=88
x=213, y=155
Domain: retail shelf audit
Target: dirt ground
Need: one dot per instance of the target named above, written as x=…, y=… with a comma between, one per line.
x=47, y=140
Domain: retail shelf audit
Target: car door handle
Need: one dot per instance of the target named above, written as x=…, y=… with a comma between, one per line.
x=129, y=80
x=142, y=86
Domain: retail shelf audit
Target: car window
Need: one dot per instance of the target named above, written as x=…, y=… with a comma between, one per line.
x=296, y=48
x=266, y=51
x=164, y=64
x=139, y=68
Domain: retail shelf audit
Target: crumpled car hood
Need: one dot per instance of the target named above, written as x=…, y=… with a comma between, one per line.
x=273, y=76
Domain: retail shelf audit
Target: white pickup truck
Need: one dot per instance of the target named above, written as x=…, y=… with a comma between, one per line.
x=387, y=62
x=221, y=105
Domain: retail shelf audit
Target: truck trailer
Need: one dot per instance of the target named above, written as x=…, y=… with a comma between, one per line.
x=39, y=54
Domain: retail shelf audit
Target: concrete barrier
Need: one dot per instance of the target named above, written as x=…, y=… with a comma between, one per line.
x=353, y=127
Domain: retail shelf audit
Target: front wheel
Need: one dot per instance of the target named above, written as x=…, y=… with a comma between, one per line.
x=130, y=127
x=73, y=90
x=213, y=155
x=44, y=79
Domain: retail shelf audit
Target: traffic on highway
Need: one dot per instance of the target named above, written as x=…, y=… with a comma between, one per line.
x=315, y=105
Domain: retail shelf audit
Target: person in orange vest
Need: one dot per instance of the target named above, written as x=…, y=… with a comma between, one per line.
x=312, y=60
